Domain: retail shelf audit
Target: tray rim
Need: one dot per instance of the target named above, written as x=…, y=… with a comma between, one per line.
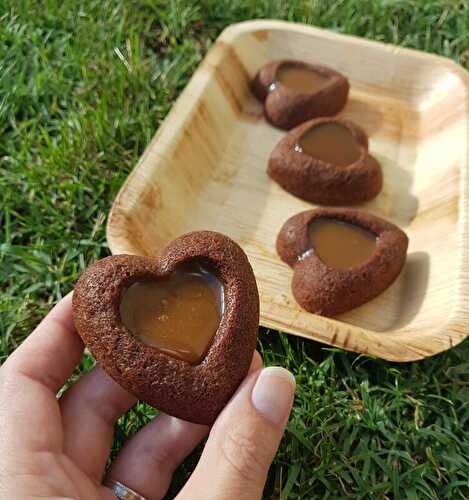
x=236, y=29
x=456, y=327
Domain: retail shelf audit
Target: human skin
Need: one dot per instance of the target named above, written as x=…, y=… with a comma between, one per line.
x=58, y=448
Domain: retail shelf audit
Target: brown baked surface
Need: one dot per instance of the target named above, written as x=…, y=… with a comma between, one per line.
x=285, y=108
x=324, y=183
x=192, y=392
x=327, y=291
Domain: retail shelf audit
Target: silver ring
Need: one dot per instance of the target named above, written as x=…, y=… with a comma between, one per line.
x=122, y=491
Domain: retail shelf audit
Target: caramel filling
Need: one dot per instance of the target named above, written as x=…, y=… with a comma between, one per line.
x=331, y=143
x=300, y=79
x=178, y=315
x=339, y=244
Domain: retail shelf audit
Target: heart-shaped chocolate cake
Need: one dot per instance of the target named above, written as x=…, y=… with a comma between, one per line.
x=178, y=331
x=295, y=91
x=326, y=161
x=341, y=258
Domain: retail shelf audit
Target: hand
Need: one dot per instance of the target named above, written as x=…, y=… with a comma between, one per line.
x=54, y=448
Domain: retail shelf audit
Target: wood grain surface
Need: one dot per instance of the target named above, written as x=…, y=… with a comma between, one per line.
x=206, y=169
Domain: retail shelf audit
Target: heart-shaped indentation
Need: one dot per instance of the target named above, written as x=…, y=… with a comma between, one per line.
x=340, y=245
x=178, y=315
x=189, y=378
x=295, y=91
x=330, y=142
x=300, y=78
x=326, y=161
x=341, y=258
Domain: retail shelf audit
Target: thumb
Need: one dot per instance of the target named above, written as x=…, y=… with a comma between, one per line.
x=244, y=439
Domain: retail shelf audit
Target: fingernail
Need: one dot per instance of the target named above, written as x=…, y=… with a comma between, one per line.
x=273, y=393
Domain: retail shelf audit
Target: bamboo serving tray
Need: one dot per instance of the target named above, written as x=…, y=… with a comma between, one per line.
x=206, y=169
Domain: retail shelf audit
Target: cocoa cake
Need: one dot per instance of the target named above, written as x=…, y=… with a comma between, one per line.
x=192, y=382
x=326, y=161
x=294, y=91
x=360, y=256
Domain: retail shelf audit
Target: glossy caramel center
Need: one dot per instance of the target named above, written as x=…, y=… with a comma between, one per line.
x=300, y=78
x=331, y=143
x=339, y=244
x=178, y=315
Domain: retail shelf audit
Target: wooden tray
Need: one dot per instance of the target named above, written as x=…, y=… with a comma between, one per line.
x=205, y=169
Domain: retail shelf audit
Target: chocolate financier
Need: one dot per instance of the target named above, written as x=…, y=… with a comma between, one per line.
x=326, y=161
x=294, y=92
x=341, y=258
x=178, y=331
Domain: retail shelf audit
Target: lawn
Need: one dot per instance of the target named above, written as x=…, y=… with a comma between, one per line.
x=83, y=88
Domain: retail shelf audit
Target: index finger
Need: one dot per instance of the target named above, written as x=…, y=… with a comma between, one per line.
x=51, y=352
x=33, y=374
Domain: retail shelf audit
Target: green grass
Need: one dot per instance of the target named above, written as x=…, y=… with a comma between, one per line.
x=83, y=87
